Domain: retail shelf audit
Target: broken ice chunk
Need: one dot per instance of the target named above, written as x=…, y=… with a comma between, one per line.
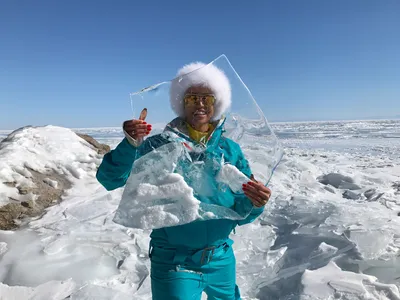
x=231, y=176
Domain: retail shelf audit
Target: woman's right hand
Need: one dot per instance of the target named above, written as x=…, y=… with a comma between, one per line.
x=137, y=129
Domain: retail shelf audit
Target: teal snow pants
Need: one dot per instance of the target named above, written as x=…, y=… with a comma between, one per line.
x=179, y=275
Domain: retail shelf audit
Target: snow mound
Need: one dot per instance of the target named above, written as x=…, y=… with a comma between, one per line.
x=38, y=164
x=43, y=150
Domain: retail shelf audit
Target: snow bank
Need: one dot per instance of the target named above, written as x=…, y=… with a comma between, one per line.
x=37, y=164
x=41, y=149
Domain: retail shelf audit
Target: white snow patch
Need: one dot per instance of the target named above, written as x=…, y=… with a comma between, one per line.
x=42, y=149
x=231, y=176
x=52, y=183
x=149, y=206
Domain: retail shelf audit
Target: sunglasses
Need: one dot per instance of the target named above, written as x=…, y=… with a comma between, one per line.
x=194, y=99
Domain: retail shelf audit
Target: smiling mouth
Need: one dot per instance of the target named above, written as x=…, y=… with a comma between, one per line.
x=200, y=112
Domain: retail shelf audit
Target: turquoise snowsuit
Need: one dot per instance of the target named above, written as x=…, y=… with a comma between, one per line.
x=188, y=259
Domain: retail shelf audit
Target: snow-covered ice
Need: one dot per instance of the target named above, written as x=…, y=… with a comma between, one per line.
x=310, y=243
x=45, y=149
x=231, y=176
x=320, y=283
x=153, y=196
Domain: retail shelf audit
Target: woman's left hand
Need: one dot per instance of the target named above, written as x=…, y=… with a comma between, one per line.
x=258, y=193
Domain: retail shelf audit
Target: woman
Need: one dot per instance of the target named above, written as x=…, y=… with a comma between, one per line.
x=189, y=259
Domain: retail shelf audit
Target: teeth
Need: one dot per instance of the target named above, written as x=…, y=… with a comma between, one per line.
x=200, y=112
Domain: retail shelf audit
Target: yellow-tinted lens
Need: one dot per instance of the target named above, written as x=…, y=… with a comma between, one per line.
x=192, y=99
x=209, y=100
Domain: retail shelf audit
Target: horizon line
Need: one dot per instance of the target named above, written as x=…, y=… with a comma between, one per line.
x=394, y=118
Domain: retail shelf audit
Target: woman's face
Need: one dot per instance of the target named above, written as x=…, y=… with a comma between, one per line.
x=200, y=112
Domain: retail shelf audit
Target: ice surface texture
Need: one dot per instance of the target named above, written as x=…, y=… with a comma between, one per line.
x=349, y=247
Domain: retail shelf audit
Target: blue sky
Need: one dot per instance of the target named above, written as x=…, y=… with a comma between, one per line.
x=74, y=63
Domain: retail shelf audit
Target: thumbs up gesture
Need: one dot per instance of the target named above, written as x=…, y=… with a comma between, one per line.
x=138, y=129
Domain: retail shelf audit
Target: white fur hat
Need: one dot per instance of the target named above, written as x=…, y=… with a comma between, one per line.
x=200, y=74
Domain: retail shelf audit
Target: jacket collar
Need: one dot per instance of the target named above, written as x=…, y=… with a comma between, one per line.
x=179, y=127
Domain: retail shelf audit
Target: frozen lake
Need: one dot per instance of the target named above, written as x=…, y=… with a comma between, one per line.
x=314, y=241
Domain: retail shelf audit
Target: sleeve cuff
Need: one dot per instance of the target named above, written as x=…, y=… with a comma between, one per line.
x=132, y=141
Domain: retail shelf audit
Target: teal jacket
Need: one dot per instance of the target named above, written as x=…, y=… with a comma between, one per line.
x=116, y=168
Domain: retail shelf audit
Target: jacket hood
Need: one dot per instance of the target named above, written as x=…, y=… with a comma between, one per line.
x=200, y=74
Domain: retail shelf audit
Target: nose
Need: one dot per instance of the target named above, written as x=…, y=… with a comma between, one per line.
x=200, y=103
